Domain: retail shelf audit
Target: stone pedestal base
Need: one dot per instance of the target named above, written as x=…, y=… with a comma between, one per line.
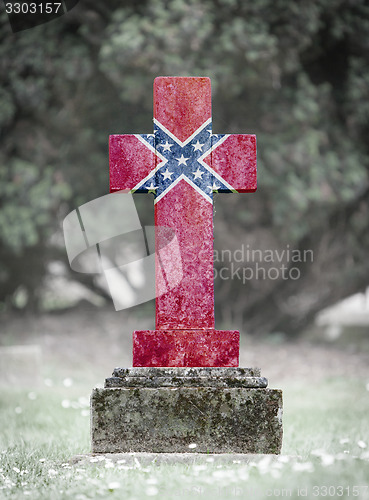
x=170, y=410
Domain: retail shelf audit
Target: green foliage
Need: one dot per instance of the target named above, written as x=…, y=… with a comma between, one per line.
x=260, y=60
x=31, y=199
x=294, y=73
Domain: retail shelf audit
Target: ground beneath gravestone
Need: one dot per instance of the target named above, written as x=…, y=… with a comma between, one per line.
x=326, y=437
x=86, y=343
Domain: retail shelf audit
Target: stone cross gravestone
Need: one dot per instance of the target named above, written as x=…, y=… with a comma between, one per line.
x=183, y=163
x=185, y=386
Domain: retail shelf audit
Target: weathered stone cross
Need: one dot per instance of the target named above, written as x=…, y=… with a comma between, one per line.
x=183, y=163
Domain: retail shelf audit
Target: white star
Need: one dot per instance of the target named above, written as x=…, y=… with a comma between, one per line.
x=167, y=174
x=198, y=174
x=209, y=130
x=151, y=188
x=197, y=146
x=214, y=187
x=182, y=160
x=166, y=146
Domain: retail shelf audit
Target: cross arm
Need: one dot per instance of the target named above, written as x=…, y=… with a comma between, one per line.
x=233, y=158
x=131, y=160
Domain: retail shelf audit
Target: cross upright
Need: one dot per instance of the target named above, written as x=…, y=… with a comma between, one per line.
x=183, y=164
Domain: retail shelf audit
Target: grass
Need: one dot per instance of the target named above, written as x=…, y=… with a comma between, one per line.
x=325, y=451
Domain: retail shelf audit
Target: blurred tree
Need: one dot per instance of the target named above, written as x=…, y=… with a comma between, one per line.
x=296, y=74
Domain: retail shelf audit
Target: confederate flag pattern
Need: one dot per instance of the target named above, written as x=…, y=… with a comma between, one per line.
x=182, y=161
